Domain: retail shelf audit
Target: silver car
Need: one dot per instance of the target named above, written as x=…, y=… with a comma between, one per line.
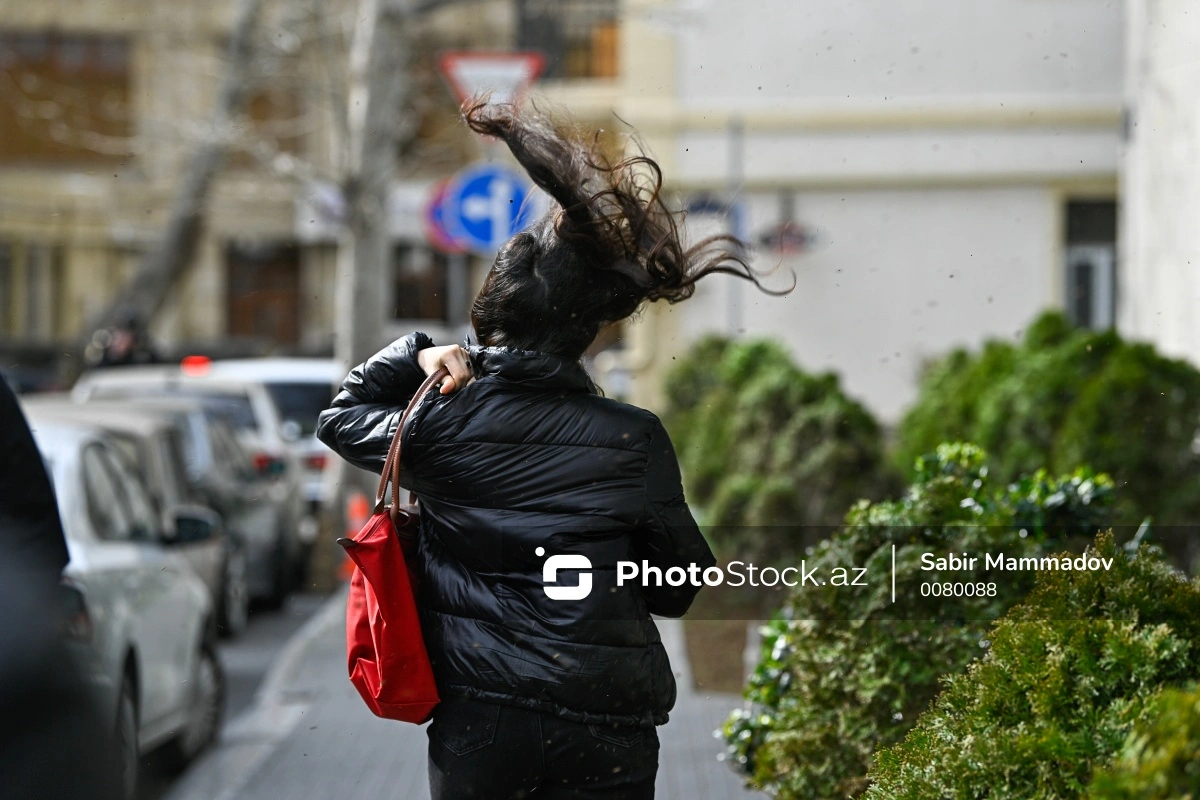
x=248, y=408
x=147, y=621
x=157, y=439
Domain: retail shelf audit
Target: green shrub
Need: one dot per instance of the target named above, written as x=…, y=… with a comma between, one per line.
x=768, y=451
x=1161, y=758
x=1065, y=397
x=844, y=671
x=1066, y=676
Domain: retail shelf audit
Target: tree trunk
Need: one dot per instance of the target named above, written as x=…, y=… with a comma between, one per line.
x=378, y=61
x=377, y=92
x=165, y=263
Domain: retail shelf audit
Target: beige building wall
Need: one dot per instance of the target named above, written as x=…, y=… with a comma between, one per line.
x=101, y=216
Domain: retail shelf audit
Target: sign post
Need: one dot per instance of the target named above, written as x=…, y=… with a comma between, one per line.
x=485, y=204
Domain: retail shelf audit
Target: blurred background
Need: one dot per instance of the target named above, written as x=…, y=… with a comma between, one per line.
x=216, y=208
x=934, y=172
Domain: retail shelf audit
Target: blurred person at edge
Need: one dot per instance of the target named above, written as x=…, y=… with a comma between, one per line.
x=53, y=742
x=127, y=342
x=519, y=458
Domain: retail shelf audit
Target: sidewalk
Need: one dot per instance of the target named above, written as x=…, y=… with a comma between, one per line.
x=309, y=736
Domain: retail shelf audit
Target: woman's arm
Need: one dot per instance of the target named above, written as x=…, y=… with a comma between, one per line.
x=360, y=423
x=674, y=539
x=362, y=420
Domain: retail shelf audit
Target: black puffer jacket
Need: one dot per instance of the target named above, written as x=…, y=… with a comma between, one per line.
x=528, y=456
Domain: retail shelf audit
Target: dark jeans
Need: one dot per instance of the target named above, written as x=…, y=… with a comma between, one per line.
x=481, y=750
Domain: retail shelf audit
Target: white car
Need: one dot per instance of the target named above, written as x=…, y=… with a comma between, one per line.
x=156, y=436
x=246, y=403
x=302, y=388
x=148, y=625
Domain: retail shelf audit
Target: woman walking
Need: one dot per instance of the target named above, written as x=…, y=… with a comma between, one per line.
x=518, y=459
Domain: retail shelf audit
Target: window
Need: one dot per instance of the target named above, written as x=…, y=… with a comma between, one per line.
x=177, y=491
x=43, y=289
x=301, y=403
x=263, y=291
x=234, y=409
x=274, y=125
x=32, y=293
x=109, y=516
x=142, y=515
x=1091, y=255
x=421, y=284
x=228, y=455
x=63, y=97
x=578, y=38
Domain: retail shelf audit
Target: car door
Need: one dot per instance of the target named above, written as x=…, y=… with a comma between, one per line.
x=113, y=574
x=167, y=610
x=206, y=557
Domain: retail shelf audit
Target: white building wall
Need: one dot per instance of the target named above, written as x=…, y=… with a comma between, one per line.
x=1159, y=273
x=754, y=53
x=920, y=138
x=705, y=157
x=896, y=277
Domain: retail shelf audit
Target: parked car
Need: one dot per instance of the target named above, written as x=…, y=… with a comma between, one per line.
x=248, y=408
x=155, y=438
x=147, y=620
x=302, y=388
x=258, y=511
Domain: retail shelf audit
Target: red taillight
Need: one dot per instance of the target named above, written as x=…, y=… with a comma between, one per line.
x=316, y=461
x=267, y=464
x=195, y=365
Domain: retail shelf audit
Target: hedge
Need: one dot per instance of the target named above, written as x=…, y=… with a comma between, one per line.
x=769, y=452
x=1067, y=676
x=1065, y=397
x=1161, y=757
x=843, y=672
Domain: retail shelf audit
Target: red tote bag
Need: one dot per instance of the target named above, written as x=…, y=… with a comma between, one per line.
x=385, y=650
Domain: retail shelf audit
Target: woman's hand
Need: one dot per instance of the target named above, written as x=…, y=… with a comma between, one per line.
x=453, y=358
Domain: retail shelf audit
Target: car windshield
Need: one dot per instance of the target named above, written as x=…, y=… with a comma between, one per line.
x=235, y=409
x=301, y=402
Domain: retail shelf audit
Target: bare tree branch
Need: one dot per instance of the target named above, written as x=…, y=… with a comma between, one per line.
x=165, y=263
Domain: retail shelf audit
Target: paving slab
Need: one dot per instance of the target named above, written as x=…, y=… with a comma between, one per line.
x=310, y=737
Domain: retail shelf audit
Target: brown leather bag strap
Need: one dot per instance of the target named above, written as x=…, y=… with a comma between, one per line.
x=391, y=466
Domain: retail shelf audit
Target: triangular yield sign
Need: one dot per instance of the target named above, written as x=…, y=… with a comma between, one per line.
x=505, y=74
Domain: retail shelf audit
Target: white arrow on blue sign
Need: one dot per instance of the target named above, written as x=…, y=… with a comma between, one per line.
x=486, y=204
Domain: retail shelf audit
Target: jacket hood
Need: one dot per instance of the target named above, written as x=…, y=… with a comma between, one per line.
x=529, y=368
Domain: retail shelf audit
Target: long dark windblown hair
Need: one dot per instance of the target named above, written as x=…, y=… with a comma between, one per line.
x=608, y=244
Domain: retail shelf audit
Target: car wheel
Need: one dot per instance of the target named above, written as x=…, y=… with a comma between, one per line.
x=234, y=612
x=207, y=706
x=126, y=740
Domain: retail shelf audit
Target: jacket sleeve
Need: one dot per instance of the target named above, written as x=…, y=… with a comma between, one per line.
x=360, y=423
x=673, y=538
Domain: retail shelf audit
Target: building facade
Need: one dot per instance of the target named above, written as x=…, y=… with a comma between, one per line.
x=102, y=103
x=933, y=172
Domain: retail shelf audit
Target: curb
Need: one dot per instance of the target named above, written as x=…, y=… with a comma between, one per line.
x=272, y=691
x=255, y=734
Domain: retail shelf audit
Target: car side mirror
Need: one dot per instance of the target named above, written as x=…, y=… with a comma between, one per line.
x=193, y=524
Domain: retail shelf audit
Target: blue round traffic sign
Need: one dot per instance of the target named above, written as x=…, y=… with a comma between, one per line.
x=486, y=204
